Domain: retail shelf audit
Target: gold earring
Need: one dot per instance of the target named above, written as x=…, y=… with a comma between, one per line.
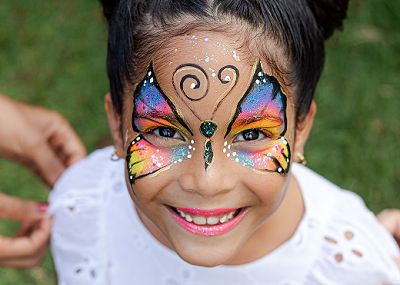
x=302, y=159
x=114, y=156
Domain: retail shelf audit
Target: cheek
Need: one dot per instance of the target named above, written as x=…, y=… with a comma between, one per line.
x=146, y=160
x=270, y=189
x=275, y=157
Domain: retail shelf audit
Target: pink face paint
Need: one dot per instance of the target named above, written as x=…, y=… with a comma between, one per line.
x=154, y=110
x=262, y=111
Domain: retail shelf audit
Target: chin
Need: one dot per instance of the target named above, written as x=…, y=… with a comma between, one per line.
x=206, y=256
x=206, y=251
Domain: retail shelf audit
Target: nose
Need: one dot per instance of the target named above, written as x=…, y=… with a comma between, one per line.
x=209, y=181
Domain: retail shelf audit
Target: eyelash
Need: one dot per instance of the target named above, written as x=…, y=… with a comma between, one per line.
x=156, y=132
x=264, y=134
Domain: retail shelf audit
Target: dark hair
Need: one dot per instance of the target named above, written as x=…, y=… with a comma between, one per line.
x=137, y=28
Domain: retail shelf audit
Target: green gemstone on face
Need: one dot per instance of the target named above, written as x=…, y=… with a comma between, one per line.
x=208, y=128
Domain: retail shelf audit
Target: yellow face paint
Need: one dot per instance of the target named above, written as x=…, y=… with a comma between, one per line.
x=258, y=126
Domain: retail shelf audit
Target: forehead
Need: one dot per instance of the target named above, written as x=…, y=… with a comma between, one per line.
x=206, y=69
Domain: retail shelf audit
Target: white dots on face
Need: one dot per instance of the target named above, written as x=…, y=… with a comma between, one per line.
x=257, y=81
x=227, y=78
x=225, y=143
x=224, y=150
x=151, y=80
x=192, y=86
x=213, y=74
x=149, y=73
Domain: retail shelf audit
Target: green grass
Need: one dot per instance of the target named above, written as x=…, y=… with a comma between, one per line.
x=52, y=54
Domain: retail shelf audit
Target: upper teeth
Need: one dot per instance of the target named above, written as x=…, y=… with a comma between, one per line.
x=209, y=220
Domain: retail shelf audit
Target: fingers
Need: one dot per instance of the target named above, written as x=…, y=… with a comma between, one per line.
x=397, y=261
x=26, y=246
x=39, y=138
x=27, y=251
x=49, y=164
x=67, y=143
x=390, y=219
x=18, y=209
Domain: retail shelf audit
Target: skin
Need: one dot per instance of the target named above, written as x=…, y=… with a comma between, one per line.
x=45, y=142
x=225, y=184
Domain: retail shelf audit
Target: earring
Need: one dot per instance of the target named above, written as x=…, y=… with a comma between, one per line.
x=302, y=159
x=114, y=156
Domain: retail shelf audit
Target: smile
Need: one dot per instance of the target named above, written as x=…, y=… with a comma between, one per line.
x=208, y=222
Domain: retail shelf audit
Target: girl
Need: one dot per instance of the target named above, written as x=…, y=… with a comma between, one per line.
x=210, y=105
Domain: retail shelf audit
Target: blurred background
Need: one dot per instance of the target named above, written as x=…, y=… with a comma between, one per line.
x=52, y=54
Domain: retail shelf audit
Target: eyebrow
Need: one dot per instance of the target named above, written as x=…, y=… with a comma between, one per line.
x=153, y=118
x=251, y=118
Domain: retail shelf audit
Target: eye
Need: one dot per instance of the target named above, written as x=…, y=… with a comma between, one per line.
x=250, y=135
x=167, y=133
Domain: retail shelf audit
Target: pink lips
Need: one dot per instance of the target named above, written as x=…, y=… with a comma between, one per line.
x=206, y=230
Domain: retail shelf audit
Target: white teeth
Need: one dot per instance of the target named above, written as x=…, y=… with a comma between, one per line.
x=223, y=219
x=212, y=221
x=199, y=220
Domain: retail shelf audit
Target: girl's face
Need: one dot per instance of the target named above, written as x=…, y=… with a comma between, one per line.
x=208, y=137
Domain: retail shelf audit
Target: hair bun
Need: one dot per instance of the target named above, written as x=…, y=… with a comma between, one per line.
x=109, y=7
x=329, y=14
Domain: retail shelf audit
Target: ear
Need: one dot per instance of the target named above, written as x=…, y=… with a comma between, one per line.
x=114, y=123
x=303, y=129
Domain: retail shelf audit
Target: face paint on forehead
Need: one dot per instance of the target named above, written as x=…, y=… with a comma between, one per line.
x=154, y=110
x=260, y=112
x=192, y=84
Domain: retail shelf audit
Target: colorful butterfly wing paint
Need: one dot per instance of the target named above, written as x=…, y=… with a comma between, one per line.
x=152, y=109
x=263, y=107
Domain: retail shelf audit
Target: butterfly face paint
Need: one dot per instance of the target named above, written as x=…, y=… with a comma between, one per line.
x=192, y=83
x=258, y=126
x=163, y=133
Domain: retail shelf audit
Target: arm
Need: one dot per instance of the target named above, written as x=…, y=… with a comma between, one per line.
x=45, y=142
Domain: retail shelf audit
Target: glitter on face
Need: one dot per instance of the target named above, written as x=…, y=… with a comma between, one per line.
x=143, y=158
x=208, y=128
x=153, y=110
x=263, y=110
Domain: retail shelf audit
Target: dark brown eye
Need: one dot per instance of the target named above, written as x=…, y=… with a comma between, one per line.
x=250, y=135
x=167, y=132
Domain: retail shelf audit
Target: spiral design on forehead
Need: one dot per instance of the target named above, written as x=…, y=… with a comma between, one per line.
x=191, y=81
x=228, y=74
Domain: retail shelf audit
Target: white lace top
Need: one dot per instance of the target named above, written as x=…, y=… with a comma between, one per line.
x=98, y=238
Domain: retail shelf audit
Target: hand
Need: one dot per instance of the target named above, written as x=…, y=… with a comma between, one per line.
x=390, y=219
x=28, y=247
x=41, y=139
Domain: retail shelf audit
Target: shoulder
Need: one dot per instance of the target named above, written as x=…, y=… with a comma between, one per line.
x=354, y=247
x=78, y=204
